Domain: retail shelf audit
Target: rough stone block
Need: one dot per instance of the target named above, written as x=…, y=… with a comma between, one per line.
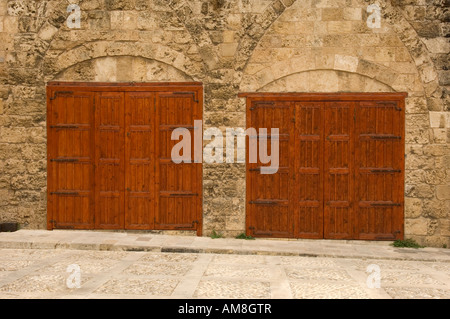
x=443, y=192
x=385, y=54
x=10, y=24
x=413, y=207
x=416, y=105
x=323, y=81
x=432, y=208
x=437, y=119
x=416, y=226
x=105, y=69
x=445, y=227
x=332, y=14
x=444, y=77
x=339, y=27
x=346, y=63
x=352, y=14
x=420, y=191
x=287, y=3
x=439, y=135
x=228, y=49
x=437, y=45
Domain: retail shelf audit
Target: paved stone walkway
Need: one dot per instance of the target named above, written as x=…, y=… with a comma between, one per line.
x=34, y=264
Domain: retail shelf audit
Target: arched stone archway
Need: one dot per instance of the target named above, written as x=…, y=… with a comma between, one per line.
x=102, y=49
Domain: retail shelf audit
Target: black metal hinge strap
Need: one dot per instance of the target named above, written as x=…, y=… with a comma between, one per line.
x=64, y=193
x=385, y=137
x=194, y=95
x=385, y=204
x=64, y=126
x=57, y=93
x=382, y=170
x=263, y=202
x=64, y=160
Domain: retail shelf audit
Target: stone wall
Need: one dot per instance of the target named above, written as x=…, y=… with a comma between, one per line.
x=231, y=46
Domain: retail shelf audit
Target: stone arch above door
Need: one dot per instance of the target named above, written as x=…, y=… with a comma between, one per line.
x=123, y=69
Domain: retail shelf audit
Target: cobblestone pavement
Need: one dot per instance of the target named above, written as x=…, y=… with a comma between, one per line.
x=41, y=273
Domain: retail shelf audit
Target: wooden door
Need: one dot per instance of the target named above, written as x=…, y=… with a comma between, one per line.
x=139, y=160
x=70, y=160
x=109, y=163
x=338, y=155
x=379, y=169
x=178, y=186
x=346, y=166
x=269, y=196
x=309, y=175
x=109, y=160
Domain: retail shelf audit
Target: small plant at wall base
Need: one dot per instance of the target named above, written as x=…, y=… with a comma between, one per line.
x=244, y=236
x=215, y=234
x=408, y=243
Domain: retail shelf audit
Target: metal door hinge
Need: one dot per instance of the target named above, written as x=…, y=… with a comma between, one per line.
x=57, y=93
x=53, y=222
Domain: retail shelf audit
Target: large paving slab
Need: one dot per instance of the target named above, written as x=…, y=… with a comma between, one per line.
x=49, y=273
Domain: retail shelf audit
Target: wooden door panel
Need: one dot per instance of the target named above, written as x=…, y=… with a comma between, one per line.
x=338, y=170
x=139, y=160
x=178, y=186
x=308, y=213
x=70, y=157
x=269, y=198
x=379, y=170
x=109, y=160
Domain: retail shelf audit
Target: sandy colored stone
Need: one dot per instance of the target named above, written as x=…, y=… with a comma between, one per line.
x=284, y=46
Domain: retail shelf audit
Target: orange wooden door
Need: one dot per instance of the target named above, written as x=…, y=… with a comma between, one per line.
x=270, y=196
x=109, y=163
x=379, y=170
x=338, y=153
x=139, y=160
x=109, y=160
x=178, y=186
x=70, y=160
x=346, y=166
x=308, y=153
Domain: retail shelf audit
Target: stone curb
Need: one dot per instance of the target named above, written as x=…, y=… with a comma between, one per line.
x=13, y=244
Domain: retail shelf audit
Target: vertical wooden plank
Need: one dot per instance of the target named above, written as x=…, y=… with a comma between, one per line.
x=308, y=152
x=178, y=187
x=69, y=161
x=380, y=209
x=109, y=160
x=139, y=160
x=268, y=195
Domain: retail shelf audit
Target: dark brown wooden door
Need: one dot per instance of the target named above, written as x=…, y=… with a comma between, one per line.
x=338, y=154
x=379, y=169
x=308, y=152
x=139, y=160
x=178, y=186
x=269, y=196
x=109, y=160
x=70, y=160
x=344, y=167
